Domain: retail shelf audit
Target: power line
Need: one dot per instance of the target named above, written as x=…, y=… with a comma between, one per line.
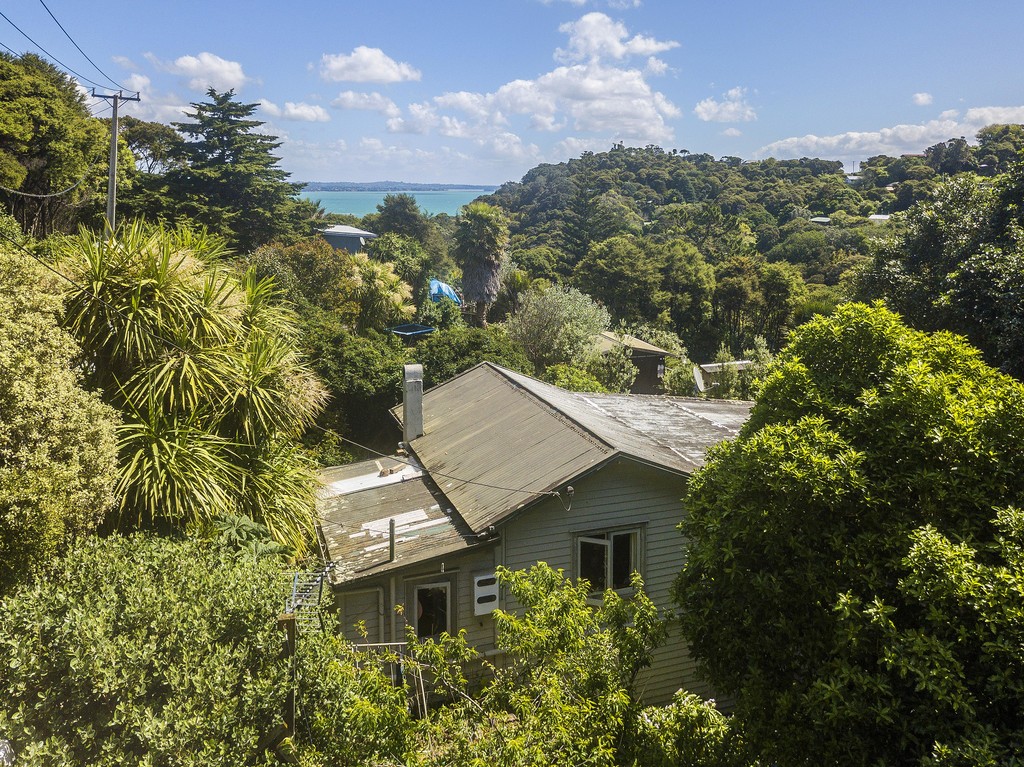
x=54, y=58
x=399, y=459
x=42, y=196
x=173, y=345
x=91, y=294
x=69, y=37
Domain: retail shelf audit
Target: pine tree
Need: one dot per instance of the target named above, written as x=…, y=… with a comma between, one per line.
x=228, y=179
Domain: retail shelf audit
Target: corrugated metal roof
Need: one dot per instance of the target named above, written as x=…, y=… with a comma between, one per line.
x=357, y=503
x=495, y=440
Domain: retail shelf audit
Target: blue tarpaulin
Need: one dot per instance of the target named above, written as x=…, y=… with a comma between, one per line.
x=439, y=290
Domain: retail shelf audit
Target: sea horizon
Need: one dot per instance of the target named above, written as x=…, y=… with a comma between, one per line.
x=360, y=203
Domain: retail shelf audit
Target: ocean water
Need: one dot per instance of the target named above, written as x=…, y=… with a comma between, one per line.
x=361, y=203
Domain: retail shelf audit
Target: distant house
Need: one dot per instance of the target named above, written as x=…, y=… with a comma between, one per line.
x=649, y=360
x=347, y=238
x=710, y=373
x=503, y=469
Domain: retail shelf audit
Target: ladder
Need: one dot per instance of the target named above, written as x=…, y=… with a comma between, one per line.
x=307, y=590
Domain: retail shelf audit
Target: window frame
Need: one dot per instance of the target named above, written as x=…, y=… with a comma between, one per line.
x=605, y=538
x=424, y=585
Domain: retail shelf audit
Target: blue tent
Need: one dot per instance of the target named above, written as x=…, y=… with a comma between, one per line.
x=439, y=290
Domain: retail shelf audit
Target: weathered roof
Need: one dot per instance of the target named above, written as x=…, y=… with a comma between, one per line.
x=357, y=503
x=496, y=441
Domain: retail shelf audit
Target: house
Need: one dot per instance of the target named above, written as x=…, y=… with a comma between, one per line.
x=648, y=359
x=348, y=238
x=502, y=469
x=711, y=373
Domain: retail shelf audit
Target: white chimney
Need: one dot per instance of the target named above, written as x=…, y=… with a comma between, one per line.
x=412, y=403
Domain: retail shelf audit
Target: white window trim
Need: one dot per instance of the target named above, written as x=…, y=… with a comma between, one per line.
x=589, y=536
x=447, y=586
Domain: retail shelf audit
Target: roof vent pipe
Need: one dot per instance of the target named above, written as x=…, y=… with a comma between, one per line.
x=412, y=403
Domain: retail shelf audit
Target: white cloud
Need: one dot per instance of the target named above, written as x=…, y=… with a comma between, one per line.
x=366, y=65
x=206, y=70
x=922, y=99
x=733, y=108
x=422, y=118
x=732, y=132
x=656, y=66
x=300, y=112
x=894, y=141
x=371, y=102
x=596, y=36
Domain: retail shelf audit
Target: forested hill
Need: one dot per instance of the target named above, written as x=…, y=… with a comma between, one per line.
x=781, y=236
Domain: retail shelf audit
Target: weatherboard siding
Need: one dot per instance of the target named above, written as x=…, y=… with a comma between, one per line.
x=359, y=602
x=622, y=495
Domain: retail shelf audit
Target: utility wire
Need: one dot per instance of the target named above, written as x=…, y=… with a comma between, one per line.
x=54, y=58
x=175, y=346
x=91, y=294
x=399, y=459
x=69, y=37
x=42, y=196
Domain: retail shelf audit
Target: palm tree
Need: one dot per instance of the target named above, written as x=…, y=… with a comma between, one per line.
x=202, y=365
x=480, y=243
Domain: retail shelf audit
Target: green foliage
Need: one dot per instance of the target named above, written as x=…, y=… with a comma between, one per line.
x=614, y=369
x=153, y=651
x=57, y=443
x=363, y=374
x=350, y=711
x=144, y=650
x=816, y=555
x=688, y=731
x=224, y=176
x=446, y=353
x=624, y=278
x=957, y=265
x=556, y=325
x=564, y=692
x=204, y=369
x=480, y=244
x=48, y=144
x=572, y=379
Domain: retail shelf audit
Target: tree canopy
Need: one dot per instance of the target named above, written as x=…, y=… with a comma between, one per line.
x=57, y=444
x=852, y=556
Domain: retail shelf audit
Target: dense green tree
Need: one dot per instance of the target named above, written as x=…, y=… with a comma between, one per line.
x=557, y=326
x=224, y=176
x=850, y=567
x=999, y=148
x=400, y=214
x=621, y=274
x=53, y=154
x=204, y=369
x=57, y=444
x=410, y=260
x=957, y=265
x=481, y=243
x=147, y=650
x=446, y=353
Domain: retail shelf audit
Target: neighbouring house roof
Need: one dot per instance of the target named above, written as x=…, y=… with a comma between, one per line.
x=607, y=340
x=496, y=441
x=718, y=367
x=349, y=231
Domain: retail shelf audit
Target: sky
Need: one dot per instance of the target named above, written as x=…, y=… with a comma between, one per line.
x=481, y=91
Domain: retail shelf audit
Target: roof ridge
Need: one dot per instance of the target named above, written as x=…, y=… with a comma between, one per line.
x=571, y=422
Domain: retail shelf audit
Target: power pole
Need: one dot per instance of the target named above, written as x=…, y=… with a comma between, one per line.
x=116, y=98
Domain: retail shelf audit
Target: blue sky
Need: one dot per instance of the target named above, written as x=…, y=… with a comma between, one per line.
x=464, y=91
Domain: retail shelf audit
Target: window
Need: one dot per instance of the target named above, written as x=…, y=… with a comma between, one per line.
x=433, y=609
x=609, y=559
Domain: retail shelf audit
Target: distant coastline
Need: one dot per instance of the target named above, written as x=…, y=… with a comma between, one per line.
x=393, y=186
